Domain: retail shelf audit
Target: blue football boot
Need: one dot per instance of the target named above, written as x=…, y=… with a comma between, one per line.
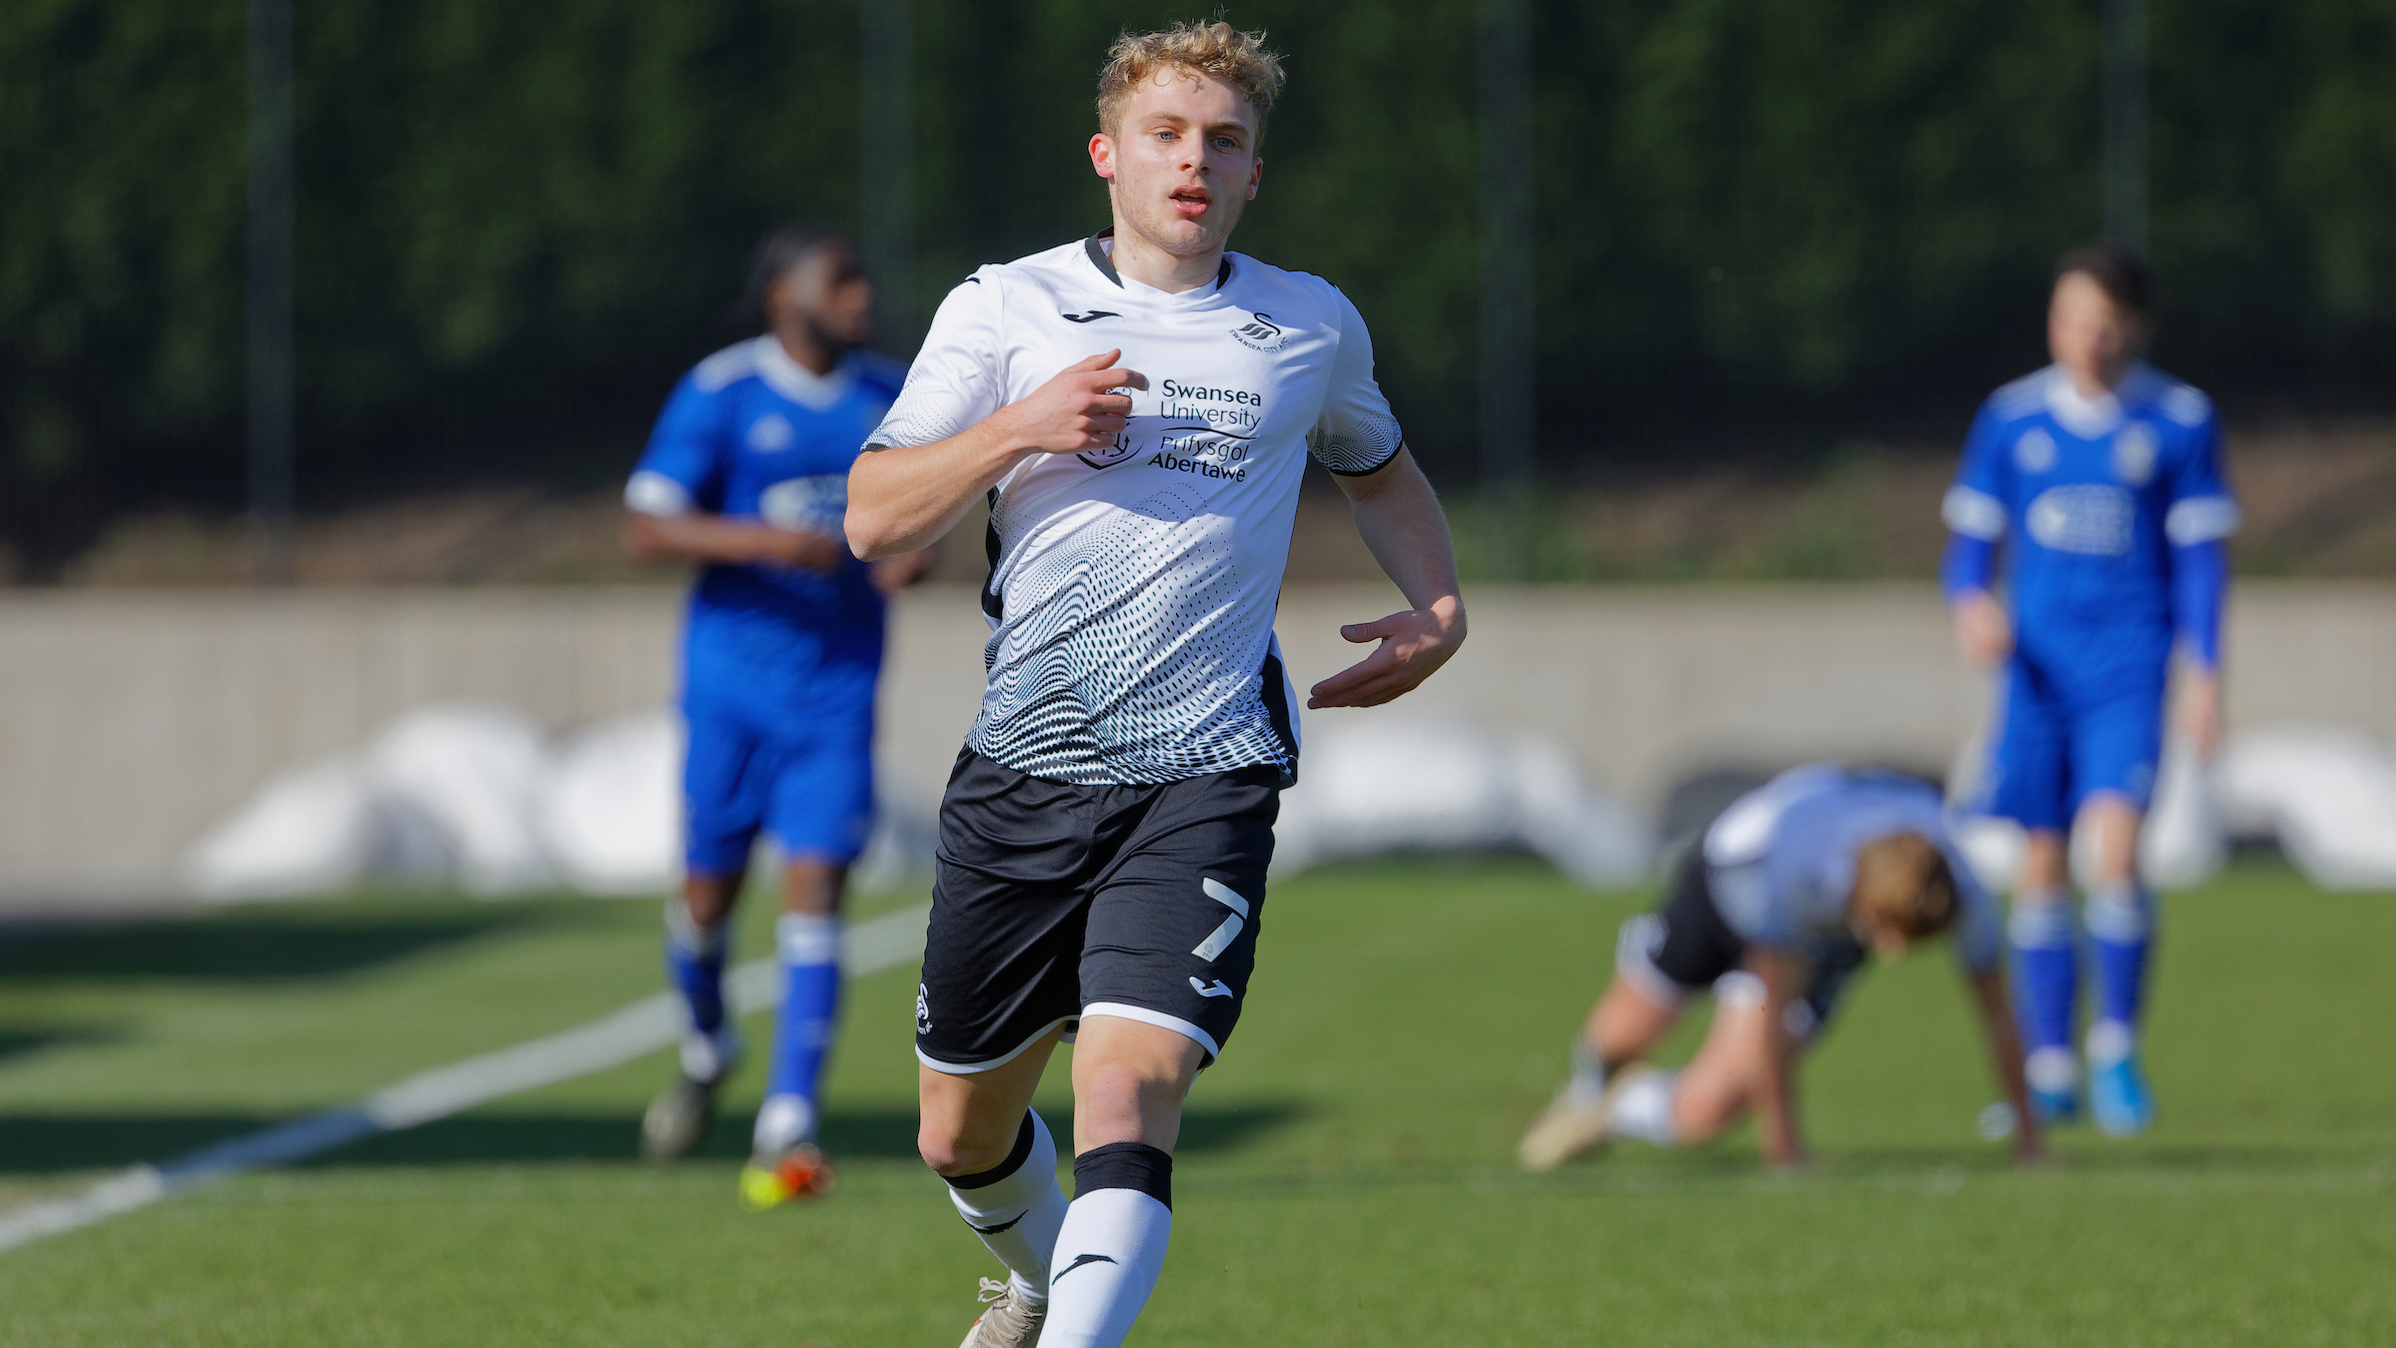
x=2118, y=1097
x=2055, y=1106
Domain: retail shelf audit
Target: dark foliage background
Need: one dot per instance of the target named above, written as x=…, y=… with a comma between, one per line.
x=1770, y=222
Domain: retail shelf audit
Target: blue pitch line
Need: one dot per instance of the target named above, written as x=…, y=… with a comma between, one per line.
x=634, y=1031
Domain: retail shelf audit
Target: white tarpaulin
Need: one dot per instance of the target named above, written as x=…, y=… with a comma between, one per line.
x=2326, y=796
x=1367, y=787
x=472, y=794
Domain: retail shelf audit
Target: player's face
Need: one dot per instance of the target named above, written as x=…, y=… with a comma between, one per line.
x=828, y=293
x=1183, y=163
x=2088, y=334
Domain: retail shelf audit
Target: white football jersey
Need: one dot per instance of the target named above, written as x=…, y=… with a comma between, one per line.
x=1132, y=589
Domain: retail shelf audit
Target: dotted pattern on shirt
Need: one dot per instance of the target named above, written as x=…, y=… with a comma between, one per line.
x=1111, y=665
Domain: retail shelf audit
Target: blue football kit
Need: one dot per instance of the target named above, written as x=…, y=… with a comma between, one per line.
x=779, y=666
x=779, y=663
x=2112, y=515
x=2112, y=512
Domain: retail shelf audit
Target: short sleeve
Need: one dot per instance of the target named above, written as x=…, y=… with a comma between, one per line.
x=683, y=467
x=1357, y=433
x=955, y=382
x=1975, y=505
x=2202, y=510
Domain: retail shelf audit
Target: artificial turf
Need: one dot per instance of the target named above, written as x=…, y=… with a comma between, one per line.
x=1345, y=1178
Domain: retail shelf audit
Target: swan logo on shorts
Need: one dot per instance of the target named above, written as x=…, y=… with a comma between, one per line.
x=923, y=1009
x=1261, y=333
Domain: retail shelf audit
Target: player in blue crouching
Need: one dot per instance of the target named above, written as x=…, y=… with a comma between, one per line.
x=747, y=475
x=2101, y=478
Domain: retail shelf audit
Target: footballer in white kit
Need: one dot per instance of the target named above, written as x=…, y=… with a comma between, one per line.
x=1138, y=409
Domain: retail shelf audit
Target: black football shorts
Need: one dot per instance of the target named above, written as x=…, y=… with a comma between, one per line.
x=1055, y=901
x=1686, y=947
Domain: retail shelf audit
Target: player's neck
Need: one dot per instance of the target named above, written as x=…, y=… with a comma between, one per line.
x=1137, y=259
x=2098, y=382
x=815, y=357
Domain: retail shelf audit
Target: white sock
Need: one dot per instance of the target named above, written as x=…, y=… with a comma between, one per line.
x=2110, y=1041
x=1643, y=1109
x=783, y=1122
x=1588, y=1072
x=1112, y=1246
x=2052, y=1071
x=1017, y=1208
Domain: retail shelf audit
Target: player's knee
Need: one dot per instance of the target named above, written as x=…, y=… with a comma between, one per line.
x=707, y=900
x=1129, y=1102
x=953, y=1150
x=813, y=888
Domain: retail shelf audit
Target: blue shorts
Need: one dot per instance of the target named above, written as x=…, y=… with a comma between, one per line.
x=2055, y=747
x=808, y=784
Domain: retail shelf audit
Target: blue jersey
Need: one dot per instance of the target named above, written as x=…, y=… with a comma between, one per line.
x=750, y=433
x=1781, y=859
x=2112, y=511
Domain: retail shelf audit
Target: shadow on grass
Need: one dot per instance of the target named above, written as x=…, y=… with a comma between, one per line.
x=21, y=1042
x=254, y=947
x=52, y=1143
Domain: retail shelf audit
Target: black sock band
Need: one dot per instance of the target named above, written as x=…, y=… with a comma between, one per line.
x=1013, y=1163
x=1125, y=1165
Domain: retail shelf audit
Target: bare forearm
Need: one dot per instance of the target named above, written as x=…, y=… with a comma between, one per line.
x=1776, y=1101
x=702, y=537
x=1776, y=1092
x=2005, y=1055
x=1398, y=516
x=905, y=497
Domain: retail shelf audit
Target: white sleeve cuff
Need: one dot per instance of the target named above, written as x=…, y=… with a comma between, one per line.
x=2200, y=519
x=656, y=494
x=1974, y=514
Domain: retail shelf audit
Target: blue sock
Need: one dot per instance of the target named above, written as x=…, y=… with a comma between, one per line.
x=2120, y=924
x=804, y=1027
x=2046, y=970
x=695, y=966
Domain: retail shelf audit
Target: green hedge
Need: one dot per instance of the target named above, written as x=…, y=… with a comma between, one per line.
x=518, y=222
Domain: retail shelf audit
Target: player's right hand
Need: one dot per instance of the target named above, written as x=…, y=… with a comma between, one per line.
x=1079, y=410
x=1982, y=633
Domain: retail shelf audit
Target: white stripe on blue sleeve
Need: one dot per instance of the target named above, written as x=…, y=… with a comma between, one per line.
x=1974, y=514
x=656, y=494
x=2201, y=519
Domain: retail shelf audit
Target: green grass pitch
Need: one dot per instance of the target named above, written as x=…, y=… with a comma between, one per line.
x=1346, y=1176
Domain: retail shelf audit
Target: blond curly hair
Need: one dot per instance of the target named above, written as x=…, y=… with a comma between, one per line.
x=1217, y=49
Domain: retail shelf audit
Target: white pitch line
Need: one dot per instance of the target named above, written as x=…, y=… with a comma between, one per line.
x=612, y=1040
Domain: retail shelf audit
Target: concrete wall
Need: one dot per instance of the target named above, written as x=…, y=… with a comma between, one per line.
x=129, y=724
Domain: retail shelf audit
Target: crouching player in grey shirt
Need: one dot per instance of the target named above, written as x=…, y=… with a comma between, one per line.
x=1790, y=891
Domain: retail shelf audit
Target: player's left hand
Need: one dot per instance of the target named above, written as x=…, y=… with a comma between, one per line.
x=2199, y=712
x=1414, y=644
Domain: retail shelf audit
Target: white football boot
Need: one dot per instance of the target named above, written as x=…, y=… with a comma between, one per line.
x=1008, y=1323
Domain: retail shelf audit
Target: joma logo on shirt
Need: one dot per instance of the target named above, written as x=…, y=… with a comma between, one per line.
x=1261, y=333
